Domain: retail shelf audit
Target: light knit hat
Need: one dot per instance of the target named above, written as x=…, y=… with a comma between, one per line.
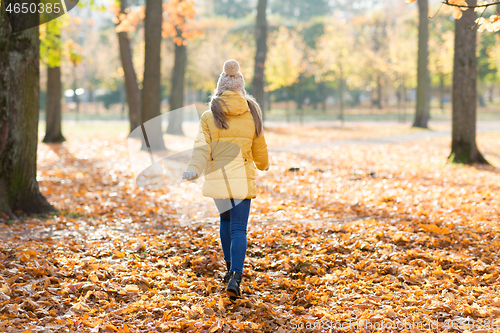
x=231, y=78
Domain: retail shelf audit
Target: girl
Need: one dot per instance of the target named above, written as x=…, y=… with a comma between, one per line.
x=228, y=147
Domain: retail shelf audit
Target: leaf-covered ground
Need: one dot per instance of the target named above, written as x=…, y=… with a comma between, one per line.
x=343, y=239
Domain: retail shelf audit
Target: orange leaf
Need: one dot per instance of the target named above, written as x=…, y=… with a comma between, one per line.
x=457, y=13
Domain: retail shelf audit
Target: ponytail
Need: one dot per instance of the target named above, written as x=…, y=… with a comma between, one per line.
x=220, y=116
x=256, y=113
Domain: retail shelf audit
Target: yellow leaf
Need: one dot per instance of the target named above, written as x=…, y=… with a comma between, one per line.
x=220, y=305
x=284, y=298
x=124, y=329
x=110, y=327
x=496, y=303
x=118, y=254
x=80, y=307
x=5, y=289
x=215, y=327
x=462, y=3
x=94, y=278
x=457, y=13
x=399, y=237
x=129, y=289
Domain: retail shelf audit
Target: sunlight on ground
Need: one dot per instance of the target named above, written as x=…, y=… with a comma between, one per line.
x=377, y=232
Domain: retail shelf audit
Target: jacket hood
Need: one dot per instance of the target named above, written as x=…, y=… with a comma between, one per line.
x=236, y=103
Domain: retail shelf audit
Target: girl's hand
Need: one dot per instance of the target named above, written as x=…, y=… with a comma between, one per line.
x=189, y=175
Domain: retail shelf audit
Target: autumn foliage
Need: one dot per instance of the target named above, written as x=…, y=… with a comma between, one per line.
x=491, y=24
x=381, y=233
x=177, y=14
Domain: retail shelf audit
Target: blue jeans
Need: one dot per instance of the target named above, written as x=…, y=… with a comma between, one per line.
x=233, y=231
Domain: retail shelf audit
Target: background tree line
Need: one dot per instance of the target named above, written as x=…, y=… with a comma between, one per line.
x=302, y=53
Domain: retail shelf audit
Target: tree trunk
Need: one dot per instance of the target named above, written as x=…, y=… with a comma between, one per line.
x=423, y=79
x=132, y=90
x=482, y=100
x=405, y=99
x=19, y=110
x=341, y=93
x=323, y=97
x=260, y=55
x=269, y=102
x=76, y=99
x=441, y=91
x=399, y=98
x=464, y=97
x=299, y=94
x=177, y=92
x=123, y=97
x=379, y=93
x=53, y=132
x=287, y=108
x=151, y=92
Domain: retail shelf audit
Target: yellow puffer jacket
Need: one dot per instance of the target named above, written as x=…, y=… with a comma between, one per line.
x=228, y=157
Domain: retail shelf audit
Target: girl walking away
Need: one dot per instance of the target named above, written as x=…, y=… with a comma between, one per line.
x=230, y=145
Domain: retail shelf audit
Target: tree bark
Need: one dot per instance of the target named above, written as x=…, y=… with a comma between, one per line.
x=464, y=96
x=482, y=100
x=131, y=88
x=441, y=91
x=379, y=93
x=151, y=92
x=177, y=91
x=19, y=110
x=399, y=98
x=268, y=101
x=423, y=79
x=405, y=99
x=287, y=108
x=76, y=99
x=261, y=53
x=53, y=132
x=341, y=93
x=299, y=94
x=322, y=86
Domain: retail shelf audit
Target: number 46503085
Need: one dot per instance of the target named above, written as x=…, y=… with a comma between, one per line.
x=25, y=8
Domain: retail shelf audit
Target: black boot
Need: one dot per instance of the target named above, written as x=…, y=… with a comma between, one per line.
x=226, y=277
x=233, y=287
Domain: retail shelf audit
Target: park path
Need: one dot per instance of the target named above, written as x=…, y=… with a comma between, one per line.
x=482, y=127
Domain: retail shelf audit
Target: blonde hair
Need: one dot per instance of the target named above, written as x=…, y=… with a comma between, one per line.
x=220, y=116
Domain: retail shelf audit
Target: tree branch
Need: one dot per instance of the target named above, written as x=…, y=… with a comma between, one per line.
x=477, y=21
x=486, y=5
x=441, y=5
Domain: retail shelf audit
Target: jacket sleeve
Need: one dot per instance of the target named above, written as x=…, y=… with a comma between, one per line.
x=201, y=153
x=260, y=154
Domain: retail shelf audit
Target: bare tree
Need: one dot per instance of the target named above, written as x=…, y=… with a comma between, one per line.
x=260, y=55
x=177, y=92
x=464, y=95
x=131, y=88
x=53, y=119
x=151, y=91
x=423, y=79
